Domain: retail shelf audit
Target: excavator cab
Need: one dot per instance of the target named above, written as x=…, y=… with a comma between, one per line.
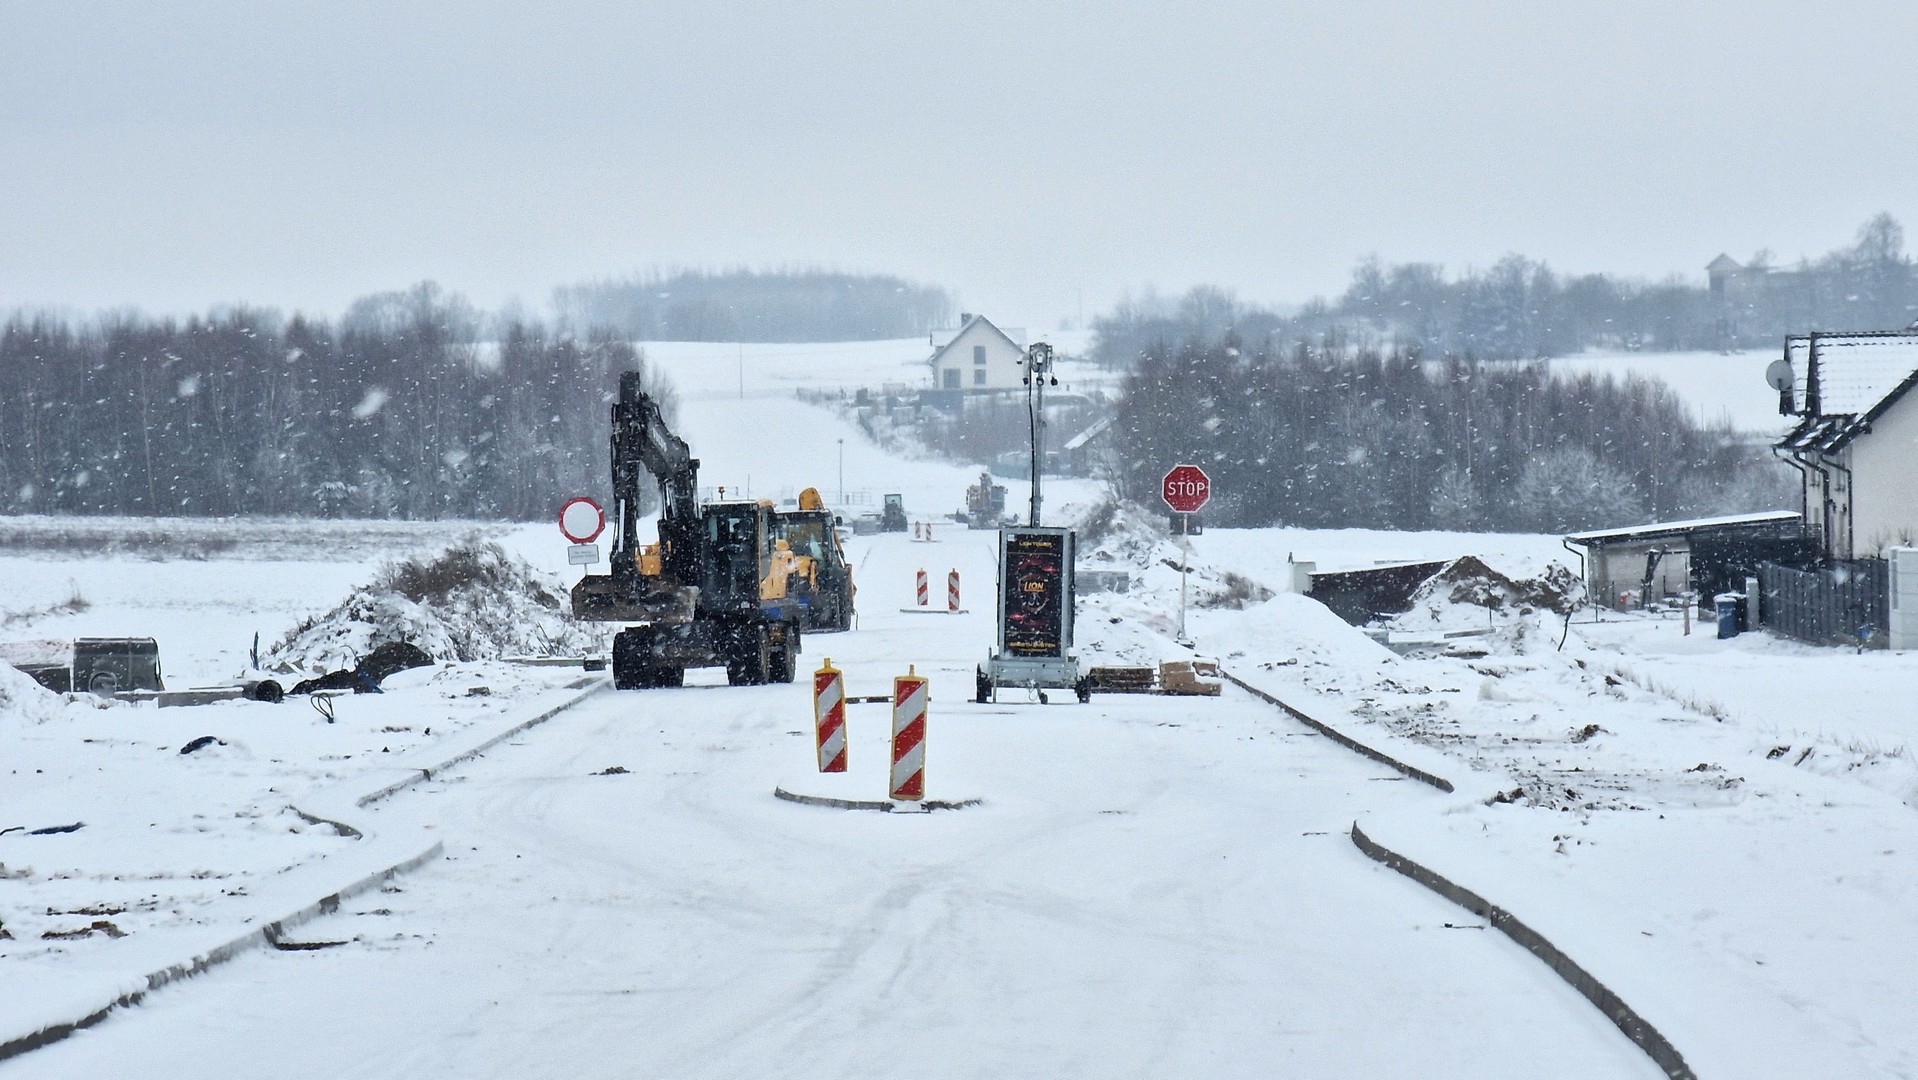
x=737, y=541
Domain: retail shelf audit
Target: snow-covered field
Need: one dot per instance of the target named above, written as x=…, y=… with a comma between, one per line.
x=1720, y=387
x=1719, y=830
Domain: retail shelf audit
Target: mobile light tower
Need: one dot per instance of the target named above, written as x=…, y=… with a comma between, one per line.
x=1036, y=595
x=1038, y=364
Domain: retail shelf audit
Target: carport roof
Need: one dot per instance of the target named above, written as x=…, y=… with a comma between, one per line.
x=1658, y=529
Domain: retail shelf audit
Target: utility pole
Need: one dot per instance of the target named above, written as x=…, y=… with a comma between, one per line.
x=1038, y=363
x=842, y=473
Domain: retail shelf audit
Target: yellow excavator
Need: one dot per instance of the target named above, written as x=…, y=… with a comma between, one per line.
x=727, y=583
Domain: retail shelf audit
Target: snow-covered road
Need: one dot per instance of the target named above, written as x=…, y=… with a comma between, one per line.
x=1152, y=887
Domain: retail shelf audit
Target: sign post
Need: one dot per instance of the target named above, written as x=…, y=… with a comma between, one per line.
x=1186, y=489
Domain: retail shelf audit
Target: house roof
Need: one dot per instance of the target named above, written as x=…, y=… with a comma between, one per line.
x=1088, y=434
x=970, y=322
x=1657, y=529
x=1723, y=263
x=1842, y=382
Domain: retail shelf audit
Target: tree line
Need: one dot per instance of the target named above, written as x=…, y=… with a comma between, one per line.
x=1334, y=439
x=748, y=305
x=395, y=411
x=1522, y=309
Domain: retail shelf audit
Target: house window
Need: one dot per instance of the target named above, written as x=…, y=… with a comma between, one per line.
x=952, y=378
x=978, y=354
x=979, y=377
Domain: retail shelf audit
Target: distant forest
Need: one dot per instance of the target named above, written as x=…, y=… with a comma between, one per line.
x=1312, y=438
x=1521, y=309
x=746, y=305
x=393, y=412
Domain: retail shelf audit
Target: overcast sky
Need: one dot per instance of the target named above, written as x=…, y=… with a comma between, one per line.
x=1030, y=157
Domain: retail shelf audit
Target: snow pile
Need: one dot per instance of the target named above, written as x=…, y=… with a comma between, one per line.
x=23, y=700
x=1136, y=626
x=470, y=602
x=1119, y=533
x=1122, y=535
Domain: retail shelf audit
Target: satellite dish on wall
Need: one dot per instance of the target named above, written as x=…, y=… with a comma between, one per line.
x=1778, y=374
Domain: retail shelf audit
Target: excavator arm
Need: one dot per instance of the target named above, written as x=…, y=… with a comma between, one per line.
x=642, y=443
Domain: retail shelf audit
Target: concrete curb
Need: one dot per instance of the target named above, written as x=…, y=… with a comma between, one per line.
x=334, y=807
x=1341, y=737
x=466, y=748
x=264, y=935
x=1635, y=1027
x=867, y=804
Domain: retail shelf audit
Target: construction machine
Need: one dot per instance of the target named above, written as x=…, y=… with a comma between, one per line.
x=985, y=504
x=892, y=515
x=728, y=583
x=820, y=577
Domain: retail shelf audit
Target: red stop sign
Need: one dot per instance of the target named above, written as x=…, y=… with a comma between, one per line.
x=1187, y=488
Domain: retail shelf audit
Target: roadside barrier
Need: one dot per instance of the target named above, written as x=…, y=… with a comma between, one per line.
x=909, y=696
x=829, y=717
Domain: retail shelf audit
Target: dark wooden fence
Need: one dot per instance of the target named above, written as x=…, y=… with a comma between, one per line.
x=1844, y=602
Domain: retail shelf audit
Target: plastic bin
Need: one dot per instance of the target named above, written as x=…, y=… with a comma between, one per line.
x=1730, y=609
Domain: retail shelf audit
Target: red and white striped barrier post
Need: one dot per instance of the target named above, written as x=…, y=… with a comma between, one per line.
x=918, y=531
x=909, y=696
x=952, y=591
x=925, y=594
x=928, y=532
x=829, y=717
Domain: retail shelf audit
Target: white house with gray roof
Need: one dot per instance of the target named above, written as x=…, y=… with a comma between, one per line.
x=1855, y=445
x=978, y=357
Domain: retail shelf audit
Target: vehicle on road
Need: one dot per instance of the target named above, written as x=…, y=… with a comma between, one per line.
x=728, y=583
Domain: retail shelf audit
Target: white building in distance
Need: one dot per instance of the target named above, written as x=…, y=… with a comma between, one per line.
x=978, y=357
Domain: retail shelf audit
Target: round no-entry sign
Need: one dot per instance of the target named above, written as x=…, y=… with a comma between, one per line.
x=1187, y=488
x=581, y=520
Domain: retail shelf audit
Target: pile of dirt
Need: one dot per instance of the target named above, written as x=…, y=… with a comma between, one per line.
x=471, y=602
x=1467, y=580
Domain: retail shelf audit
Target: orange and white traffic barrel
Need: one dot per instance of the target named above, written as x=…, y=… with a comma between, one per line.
x=925, y=594
x=952, y=591
x=909, y=695
x=829, y=717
